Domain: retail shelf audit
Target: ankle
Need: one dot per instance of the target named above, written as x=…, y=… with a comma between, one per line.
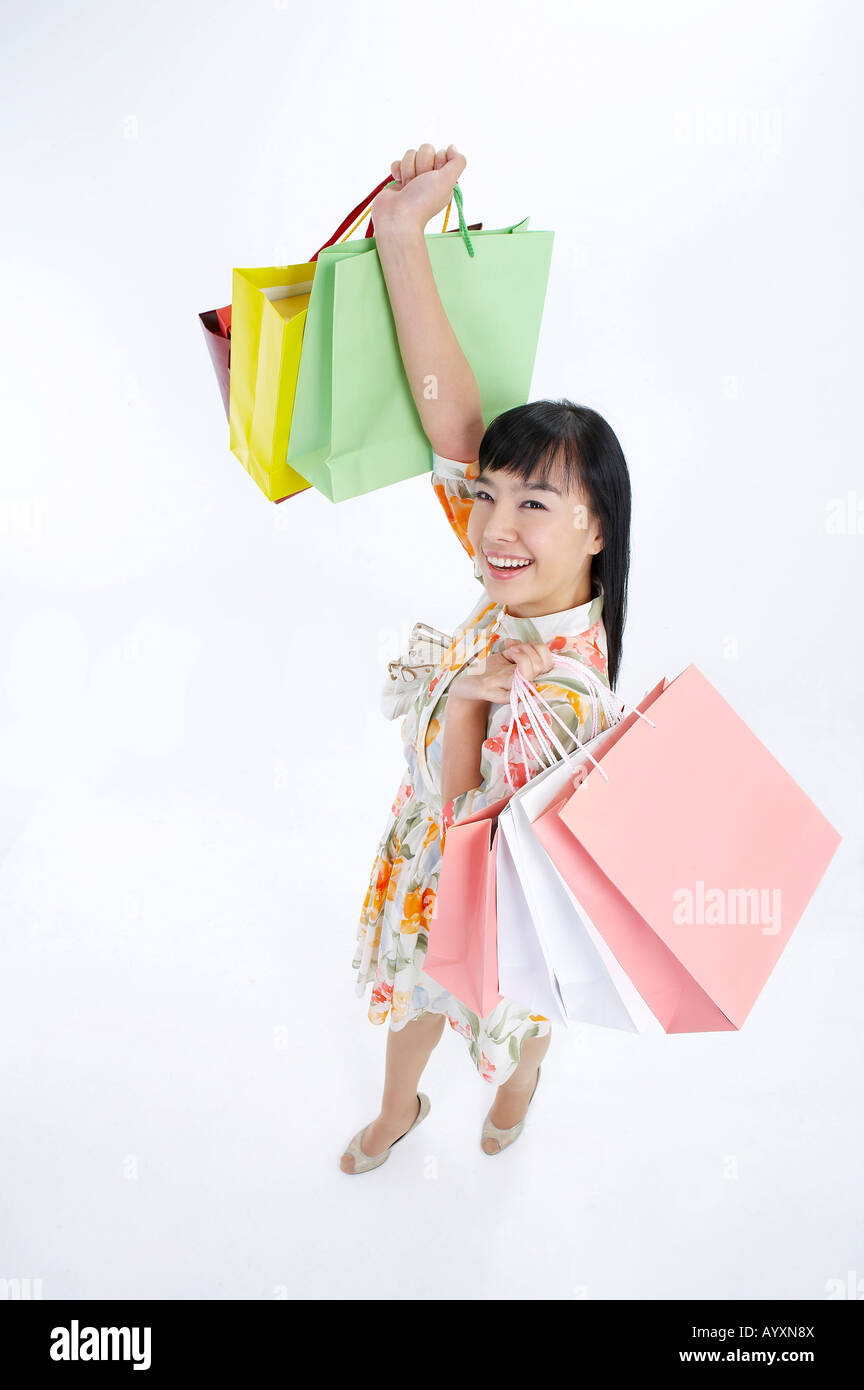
x=393, y=1112
x=518, y=1085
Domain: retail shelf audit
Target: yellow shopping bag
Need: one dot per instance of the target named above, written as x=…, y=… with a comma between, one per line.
x=268, y=317
x=268, y=313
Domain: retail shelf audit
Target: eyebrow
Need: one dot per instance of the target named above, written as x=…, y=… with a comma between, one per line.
x=541, y=487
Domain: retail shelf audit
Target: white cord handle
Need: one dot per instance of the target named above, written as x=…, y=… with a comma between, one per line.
x=522, y=691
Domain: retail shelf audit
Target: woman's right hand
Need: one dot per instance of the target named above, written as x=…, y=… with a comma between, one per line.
x=425, y=180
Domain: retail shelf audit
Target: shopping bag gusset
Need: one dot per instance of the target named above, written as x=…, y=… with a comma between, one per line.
x=216, y=324
x=462, y=954
x=550, y=958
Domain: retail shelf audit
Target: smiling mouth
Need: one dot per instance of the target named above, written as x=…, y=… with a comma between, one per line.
x=508, y=569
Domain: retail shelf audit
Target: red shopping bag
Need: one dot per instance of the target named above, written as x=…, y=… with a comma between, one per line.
x=693, y=852
x=216, y=324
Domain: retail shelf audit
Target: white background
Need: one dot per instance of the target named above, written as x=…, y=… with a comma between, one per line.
x=195, y=769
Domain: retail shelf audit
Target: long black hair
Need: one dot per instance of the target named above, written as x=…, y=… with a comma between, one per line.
x=533, y=437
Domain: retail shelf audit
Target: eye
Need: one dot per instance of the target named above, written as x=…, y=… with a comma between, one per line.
x=531, y=501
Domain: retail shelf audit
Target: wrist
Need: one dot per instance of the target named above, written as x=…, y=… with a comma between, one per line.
x=467, y=697
x=398, y=229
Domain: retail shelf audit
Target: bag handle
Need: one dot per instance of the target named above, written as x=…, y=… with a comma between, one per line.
x=600, y=695
x=457, y=194
x=361, y=210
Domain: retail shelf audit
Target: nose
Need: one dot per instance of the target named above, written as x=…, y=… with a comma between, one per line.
x=501, y=525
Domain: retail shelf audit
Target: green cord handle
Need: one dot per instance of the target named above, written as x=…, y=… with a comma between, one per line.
x=463, y=228
x=457, y=194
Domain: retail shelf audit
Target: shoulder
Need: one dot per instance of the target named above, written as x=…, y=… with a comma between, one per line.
x=451, y=485
x=588, y=647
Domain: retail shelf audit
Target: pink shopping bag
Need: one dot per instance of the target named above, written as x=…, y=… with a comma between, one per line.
x=693, y=852
x=462, y=954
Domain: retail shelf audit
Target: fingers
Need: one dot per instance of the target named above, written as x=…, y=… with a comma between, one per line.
x=532, y=658
x=457, y=160
x=425, y=159
x=510, y=648
x=546, y=657
x=543, y=657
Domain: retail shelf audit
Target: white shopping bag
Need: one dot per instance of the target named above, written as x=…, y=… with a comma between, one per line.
x=523, y=973
x=549, y=955
x=551, y=958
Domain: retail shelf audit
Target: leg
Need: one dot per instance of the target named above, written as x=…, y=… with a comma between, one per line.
x=511, y=1099
x=408, y=1051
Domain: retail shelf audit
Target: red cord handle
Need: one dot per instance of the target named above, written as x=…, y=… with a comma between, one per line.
x=343, y=226
x=370, y=231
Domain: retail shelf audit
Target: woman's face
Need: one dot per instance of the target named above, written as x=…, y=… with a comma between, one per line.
x=543, y=523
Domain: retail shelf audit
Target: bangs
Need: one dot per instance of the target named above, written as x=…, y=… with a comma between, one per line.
x=530, y=455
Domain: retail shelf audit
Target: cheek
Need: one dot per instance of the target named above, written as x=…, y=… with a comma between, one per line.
x=558, y=544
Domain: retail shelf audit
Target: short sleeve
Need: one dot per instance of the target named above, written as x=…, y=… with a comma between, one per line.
x=397, y=695
x=408, y=676
x=450, y=484
x=570, y=706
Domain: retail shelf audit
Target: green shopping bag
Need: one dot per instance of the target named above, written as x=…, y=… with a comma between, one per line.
x=355, y=426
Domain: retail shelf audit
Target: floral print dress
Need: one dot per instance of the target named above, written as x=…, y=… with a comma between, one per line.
x=393, y=931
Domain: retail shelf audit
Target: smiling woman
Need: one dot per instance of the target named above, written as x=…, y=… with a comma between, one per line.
x=541, y=503
x=550, y=486
x=514, y=532
x=399, y=906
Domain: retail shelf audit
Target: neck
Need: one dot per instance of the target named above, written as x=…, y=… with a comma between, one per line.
x=556, y=603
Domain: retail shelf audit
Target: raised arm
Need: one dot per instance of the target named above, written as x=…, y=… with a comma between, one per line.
x=442, y=383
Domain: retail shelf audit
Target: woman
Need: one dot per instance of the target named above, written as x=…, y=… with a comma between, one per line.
x=541, y=502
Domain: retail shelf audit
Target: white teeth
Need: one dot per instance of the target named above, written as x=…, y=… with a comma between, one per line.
x=508, y=564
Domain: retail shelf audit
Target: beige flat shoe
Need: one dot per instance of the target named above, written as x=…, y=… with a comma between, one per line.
x=505, y=1137
x=363, y=1162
